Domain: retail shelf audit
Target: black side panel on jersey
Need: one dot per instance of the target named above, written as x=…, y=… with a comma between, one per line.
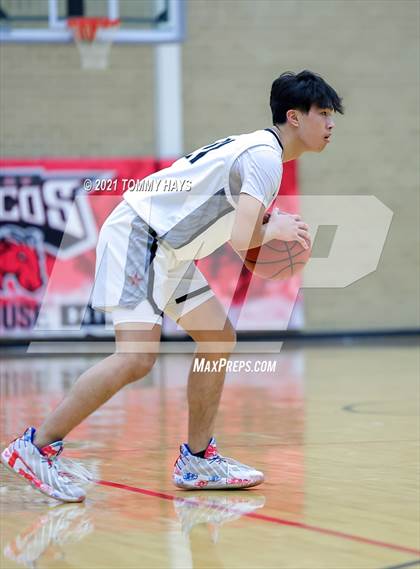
x=198, y=220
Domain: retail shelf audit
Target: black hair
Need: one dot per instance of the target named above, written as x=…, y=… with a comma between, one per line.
x=301, y=91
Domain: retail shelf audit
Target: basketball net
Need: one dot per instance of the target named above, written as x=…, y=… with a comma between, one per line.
x=93, y=37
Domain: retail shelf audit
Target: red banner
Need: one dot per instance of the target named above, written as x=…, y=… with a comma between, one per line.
x=48, y=232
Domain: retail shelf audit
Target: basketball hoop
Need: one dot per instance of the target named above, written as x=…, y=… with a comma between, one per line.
x=93, y=37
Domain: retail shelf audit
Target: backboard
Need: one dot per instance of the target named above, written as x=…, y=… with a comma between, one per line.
x=142, y=21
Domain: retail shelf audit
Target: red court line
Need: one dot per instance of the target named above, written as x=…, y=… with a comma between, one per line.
x=273, y=520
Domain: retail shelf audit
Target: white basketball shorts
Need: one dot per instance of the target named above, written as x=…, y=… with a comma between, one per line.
x=137, y=278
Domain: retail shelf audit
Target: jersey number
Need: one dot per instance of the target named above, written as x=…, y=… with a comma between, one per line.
x=194, y=156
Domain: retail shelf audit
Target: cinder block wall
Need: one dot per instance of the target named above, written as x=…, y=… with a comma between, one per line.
x=367, y=49
x=50, y=107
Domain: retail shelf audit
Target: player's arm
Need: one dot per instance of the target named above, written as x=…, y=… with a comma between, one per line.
x=260, y=173
x=248, y=229
x=249, y=232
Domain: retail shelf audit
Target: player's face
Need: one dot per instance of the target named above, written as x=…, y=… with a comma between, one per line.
x=315, y=128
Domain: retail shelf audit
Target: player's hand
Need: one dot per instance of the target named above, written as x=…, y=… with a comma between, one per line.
x=289, y=227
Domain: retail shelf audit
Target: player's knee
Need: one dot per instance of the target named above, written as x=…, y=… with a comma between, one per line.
x=137, y=365
x=219, y=341
x=229, y=337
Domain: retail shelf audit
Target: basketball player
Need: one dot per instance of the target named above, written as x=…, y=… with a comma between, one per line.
x=145, y=268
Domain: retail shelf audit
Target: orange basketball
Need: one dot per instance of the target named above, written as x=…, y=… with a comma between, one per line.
x=277, y=260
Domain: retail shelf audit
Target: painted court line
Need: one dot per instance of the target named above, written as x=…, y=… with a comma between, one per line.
x=404, y=565
x=270, y=519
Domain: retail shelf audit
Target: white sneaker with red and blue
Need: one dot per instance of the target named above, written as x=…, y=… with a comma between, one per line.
x=42, y=468
x=213, y=472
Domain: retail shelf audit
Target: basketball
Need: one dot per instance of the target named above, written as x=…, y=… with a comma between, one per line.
x=276, y=260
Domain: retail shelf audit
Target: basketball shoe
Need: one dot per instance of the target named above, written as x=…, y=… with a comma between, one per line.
x=42, y=468
x=213, y=471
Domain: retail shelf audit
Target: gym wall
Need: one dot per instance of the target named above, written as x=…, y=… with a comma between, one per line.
x=368, y=50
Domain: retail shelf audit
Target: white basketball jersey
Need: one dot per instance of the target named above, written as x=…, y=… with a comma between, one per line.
x=191, y=205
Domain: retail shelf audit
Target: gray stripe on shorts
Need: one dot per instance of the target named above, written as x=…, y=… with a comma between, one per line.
x=198, y=220
x=136, y=270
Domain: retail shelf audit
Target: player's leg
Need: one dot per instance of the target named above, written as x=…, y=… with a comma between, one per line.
x=215, y=340
x=38, y=463
x=136, y=350
x=199, y=464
